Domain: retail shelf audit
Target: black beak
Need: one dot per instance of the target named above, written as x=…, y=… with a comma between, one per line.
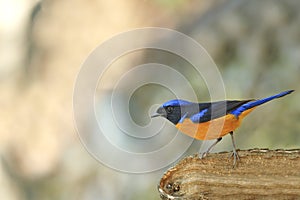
x=155, y=115
x=161, y=112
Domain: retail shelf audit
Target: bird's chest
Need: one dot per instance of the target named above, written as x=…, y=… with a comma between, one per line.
x=213, y=129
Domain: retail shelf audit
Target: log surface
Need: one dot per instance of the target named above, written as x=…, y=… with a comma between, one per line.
x=260, y=174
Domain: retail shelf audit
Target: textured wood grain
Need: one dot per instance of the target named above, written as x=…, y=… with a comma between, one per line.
x=260, y=174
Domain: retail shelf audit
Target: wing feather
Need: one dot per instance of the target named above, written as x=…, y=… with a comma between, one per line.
x=209, y=111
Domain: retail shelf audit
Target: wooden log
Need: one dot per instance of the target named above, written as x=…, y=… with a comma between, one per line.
x=260, y=174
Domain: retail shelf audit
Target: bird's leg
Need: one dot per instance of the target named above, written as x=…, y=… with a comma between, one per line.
x=210, y=148
x=234, y=152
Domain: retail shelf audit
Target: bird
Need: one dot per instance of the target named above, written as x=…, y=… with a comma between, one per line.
x=220, y=117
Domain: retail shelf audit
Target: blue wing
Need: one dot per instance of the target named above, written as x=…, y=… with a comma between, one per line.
x=197, y=117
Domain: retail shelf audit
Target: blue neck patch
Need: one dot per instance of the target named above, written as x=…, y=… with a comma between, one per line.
x=182, y=118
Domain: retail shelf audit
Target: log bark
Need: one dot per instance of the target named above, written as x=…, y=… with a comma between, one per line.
x=260, y=174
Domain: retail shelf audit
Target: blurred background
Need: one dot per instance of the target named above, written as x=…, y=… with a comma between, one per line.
x=255, y=44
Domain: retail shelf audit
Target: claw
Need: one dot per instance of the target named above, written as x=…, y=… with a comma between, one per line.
x=202, y=155
x=236, y=158
x=234, y=154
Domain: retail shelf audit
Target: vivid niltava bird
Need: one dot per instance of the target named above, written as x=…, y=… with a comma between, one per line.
x=221, y=117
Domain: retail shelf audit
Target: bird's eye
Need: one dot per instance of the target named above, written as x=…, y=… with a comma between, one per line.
x=169, y=109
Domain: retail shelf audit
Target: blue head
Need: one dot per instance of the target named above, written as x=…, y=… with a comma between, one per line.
x=173, y=110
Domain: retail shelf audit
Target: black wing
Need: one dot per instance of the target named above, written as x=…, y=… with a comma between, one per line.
x=209, y=111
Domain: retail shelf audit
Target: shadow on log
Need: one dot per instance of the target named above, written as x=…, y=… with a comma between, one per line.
x=260, y=174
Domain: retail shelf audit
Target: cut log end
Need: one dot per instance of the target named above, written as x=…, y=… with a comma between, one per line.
x=260, y=174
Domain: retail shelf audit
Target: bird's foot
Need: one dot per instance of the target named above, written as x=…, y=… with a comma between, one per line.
x=236, y=158
x=203, y=154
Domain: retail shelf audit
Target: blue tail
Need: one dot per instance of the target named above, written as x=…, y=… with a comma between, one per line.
x=254, y=103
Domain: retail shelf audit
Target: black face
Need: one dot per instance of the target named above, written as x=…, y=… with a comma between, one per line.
x=172, y=113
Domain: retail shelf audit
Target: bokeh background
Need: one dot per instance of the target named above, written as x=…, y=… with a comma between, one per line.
x=255, y=44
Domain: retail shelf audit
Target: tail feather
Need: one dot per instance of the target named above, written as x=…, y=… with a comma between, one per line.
x=258, y=102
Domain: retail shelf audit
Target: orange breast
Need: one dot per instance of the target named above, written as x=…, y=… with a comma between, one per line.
x=213, y=129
